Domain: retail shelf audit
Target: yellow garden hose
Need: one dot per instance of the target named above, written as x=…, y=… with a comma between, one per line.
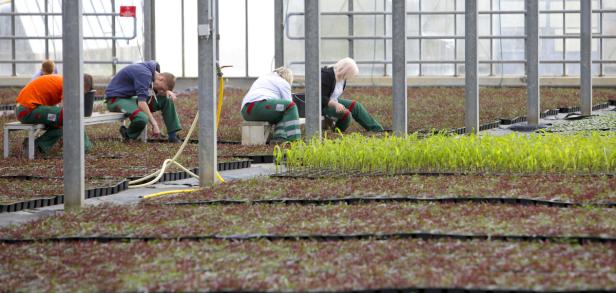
x=159, y=173
x=221, y=86
x=170, y=192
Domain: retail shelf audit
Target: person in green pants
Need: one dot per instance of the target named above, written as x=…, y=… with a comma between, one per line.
x=340, y=111
x=269, y=99
x=138, y=90
x=39, y=102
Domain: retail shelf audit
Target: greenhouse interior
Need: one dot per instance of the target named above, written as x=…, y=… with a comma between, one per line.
x=306, y=145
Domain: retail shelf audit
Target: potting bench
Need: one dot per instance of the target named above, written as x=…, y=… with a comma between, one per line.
x=32, y=129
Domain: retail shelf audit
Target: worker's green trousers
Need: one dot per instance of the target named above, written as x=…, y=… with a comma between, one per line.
x=139, y=120
x=281, y=112
x=52, y=117
x=357, y=111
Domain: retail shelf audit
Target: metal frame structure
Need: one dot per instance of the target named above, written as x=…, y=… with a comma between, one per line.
x=471, y=67
x=492, y=37
x=532, y=65
x=313, y=69
x=73, y=129
x=471, y=62
x=207, y=32
x=399, y=91
x=148, y=37
x=149, y=30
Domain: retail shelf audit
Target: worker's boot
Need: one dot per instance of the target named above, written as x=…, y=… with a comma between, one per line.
x=173, y=137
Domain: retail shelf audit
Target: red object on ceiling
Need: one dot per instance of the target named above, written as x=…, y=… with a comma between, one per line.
x=128, y=11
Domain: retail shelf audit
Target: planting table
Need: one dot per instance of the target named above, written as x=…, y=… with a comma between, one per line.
x=32, y=129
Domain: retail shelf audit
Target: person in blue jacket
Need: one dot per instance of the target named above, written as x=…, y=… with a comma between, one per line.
x=138, y=90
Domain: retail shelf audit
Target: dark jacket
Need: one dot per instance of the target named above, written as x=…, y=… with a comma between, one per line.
x=328, y=83
x=132, y=80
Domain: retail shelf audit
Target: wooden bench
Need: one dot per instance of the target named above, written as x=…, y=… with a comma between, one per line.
x=33, y=129
x=257, y=132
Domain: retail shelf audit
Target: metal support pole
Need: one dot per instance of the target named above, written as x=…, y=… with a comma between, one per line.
x=586, y=57
x=351, y=29
x=564, y=40
x=398, y=22
x=153, y=30
x=532, y=61
x=312, y=68
x=73, y=129
x=420, y=43
x=384, y=33
x=455, y=41
x=148, y=42
x=183, y=41
x=471, y=102
x=279, y=33
x=492, y=40
x=13, y=32
x=114, y=47
x=601, y=71
x=207, y=94
x=217, y=32
x=46, y=19
x=246, y=36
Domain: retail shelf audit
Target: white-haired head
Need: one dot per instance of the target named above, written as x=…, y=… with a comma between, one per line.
x=285, y=73
x=345, y=68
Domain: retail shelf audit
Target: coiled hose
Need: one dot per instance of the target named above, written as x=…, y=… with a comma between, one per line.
x=168, y=162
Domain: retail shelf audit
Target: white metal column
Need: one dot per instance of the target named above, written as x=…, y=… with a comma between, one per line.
x=207, y=94
x=73, y=129
x=313, y=71
x=586, y=57
x=400, y=115
x=532, y=62
x=471, y=102
x=149, y=31
x=279, y=33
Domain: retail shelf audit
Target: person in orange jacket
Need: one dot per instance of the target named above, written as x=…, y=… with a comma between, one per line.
x=39, y=102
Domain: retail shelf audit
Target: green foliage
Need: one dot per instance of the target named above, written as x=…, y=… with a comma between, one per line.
x=590, y=152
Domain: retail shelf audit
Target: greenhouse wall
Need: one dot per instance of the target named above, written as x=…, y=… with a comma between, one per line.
x=247, y=36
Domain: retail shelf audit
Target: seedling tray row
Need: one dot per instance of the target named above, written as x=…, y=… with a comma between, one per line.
x=259, y=159
x=323, y=238
x=398, y=199
x=103, y=191
x=59, y=199
x=309, y=173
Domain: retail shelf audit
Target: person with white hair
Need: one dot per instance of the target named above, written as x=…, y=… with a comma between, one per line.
x=269, y=99
x=340, y=111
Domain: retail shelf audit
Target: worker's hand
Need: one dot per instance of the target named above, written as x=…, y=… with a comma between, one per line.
x=340, y=108
x=172, y=95
x=155, y=131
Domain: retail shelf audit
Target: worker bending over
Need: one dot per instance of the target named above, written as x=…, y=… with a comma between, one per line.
x=39, y=102
x=269, y=99
x=138, y=90
x=333, y=83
